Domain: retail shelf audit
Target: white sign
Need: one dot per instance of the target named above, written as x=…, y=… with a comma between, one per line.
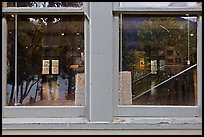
x=153, y=66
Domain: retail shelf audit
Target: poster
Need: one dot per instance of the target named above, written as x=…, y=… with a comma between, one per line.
x=45, y=67
x=55, y=66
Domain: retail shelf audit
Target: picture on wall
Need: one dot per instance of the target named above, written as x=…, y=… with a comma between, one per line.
x=55, y=66
x=45, y=67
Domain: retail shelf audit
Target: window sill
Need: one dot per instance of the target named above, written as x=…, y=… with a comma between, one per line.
x=118, y=123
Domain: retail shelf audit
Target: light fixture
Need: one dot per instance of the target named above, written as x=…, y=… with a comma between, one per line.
x=12, y=15
x=62, y=34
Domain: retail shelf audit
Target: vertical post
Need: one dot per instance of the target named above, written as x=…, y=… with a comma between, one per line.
x=4, y=55
x=16, y=36
x=121, y=41
x=87, y=62
x=101, y=62
x=199, y=63
x=4, y=64
x=116, y=63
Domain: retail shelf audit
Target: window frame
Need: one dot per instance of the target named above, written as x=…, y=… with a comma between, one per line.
x=100, y=114
x=155, y=110
x=40, y=111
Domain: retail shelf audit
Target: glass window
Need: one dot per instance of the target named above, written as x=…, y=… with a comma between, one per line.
x=158, y=57
x=159, y=4
x=45, y=4
x=50, y=60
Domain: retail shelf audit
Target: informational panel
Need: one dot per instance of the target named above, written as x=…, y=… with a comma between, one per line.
x=45, y=67
x=153, y=66
x=55, y=66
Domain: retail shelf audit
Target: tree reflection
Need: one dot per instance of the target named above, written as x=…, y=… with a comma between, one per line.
x=40, y=37
x=11, y=58
x=45, y=4
x=164, y=40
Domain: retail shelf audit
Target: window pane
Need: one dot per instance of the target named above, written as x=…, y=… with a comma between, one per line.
x=158, y=60
x=50, y=58
x=159, y=4
x=46, y=4
x=10, y=59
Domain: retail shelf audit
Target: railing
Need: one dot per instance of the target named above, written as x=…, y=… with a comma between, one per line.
x=176, y=75
x=134, y=82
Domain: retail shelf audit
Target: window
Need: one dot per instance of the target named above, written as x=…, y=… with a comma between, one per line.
x=158, y=4
x=160, y=41
x=45, y=4
x=45, y=59
x=97, y=65
x=158, y=58
x=50, y=53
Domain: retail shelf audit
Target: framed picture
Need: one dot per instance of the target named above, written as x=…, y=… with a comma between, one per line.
x=55, y=66
x=45, y=67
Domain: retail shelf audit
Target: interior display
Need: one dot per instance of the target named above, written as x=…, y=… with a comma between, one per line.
x=45, y=67
x=55, y=66
x=47, y=46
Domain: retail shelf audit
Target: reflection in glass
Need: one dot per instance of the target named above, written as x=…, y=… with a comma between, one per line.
x=46, y=4
x=10, y=59
x=45, y=58
x=160, y=4
x=161, y=54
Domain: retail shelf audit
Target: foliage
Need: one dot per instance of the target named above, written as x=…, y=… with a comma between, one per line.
x=160, y=33
x=46, y=4
x=40, y=37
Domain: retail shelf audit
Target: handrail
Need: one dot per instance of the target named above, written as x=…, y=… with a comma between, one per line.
x=165, y=81
x=147, y=75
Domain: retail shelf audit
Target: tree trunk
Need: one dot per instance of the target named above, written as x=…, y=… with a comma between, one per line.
x=21, y=94
x=36, y=91
x=11, y=96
